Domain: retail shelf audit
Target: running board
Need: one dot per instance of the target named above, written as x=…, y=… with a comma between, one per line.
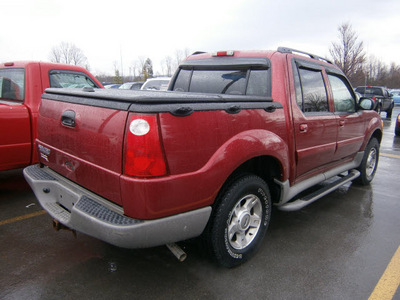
x=302, y=202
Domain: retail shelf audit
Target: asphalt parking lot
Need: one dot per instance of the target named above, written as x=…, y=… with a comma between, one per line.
x=337, y=248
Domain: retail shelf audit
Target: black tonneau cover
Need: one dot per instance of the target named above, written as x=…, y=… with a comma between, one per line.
x=176, y=103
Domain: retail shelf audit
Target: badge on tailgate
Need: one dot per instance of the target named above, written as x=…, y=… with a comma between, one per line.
x=44, y=152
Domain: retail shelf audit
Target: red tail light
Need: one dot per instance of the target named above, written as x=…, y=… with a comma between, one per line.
x=373, y=98
x=144, y=155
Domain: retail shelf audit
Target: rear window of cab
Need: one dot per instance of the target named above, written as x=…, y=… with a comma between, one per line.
x=232, y=82
x=224, y=75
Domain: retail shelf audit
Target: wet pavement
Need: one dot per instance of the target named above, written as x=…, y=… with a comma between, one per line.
x=337, y=248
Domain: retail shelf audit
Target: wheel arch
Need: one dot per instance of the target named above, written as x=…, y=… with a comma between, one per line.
x=266, y=167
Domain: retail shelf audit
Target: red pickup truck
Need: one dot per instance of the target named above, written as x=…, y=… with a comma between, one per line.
x=237, y=132
x=21, y=87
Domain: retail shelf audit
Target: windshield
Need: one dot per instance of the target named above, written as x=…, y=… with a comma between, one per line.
x=12, y=84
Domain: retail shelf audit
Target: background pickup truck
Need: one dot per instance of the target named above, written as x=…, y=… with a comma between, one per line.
x=21, y=87
x=381, y=96
x=236, y=133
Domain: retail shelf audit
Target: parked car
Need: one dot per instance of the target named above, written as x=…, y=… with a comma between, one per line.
x=380, y=95
x=112, y=86
x=131, y=85
x=395, y=96
x=397, y=128
x=21, y=86
x=157, y=84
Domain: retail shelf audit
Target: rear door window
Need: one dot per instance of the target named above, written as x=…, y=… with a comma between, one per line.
x=70, y=79
x=311, y=91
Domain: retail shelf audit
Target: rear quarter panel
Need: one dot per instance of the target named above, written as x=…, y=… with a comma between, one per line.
x=202, y=150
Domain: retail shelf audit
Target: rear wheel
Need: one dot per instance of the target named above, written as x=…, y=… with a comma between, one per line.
x=239, y=221
x=369, y=163
x=389, y=113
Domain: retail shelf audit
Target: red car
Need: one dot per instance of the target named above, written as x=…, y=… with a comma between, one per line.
x=397, y=128
x=21, y=87
x=236, y=133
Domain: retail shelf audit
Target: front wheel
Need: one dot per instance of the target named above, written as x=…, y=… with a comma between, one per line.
x=239, y=221
x=369, y=163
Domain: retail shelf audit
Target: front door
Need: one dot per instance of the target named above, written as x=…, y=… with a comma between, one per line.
x=15, y=126
x=351, y=124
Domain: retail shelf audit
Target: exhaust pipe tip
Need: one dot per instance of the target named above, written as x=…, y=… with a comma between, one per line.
x=177, y=251
x=57, y=225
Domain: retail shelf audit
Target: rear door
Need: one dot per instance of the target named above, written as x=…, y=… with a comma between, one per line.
x=15, y=127
x=315, y=125
x=83, y=142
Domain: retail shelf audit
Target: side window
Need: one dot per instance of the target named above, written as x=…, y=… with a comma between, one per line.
x=68, y=79
x=313, y=91
x=12, y=84
x=297, y=86
x=342, y=97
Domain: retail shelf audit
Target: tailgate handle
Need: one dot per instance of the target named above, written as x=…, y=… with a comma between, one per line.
x=68, y=118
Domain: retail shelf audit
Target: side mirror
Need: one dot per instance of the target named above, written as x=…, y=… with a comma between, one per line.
x=366, y=103
x=391, y=95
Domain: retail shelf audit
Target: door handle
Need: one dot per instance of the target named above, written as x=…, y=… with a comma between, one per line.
x=341, y=123
x=68, y=118
x=303, y=127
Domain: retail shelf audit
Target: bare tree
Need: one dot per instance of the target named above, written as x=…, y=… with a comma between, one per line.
x=394, y=79
x=180, y=55
x=68, y=53
x=136, y=67
x=166, y=65
x=348, y=54
x=117, y=78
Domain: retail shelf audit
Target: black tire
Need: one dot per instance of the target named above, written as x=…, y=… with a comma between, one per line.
x=239, y=221
x=369, y=163
x=389, y=113
x=378, y=107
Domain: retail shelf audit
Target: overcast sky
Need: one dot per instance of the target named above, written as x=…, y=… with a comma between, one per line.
x=122, y=31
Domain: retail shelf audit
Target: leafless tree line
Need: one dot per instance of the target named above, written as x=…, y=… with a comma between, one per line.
x=142, y=68
x=349, y=54
x=169, y=64
x=139, y=69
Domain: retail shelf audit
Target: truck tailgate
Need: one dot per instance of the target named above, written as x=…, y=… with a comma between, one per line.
x=83, y=143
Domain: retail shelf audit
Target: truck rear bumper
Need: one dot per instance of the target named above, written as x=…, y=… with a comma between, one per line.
x=81, y=210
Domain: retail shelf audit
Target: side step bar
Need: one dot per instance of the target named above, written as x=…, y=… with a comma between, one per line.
x=302, y=202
